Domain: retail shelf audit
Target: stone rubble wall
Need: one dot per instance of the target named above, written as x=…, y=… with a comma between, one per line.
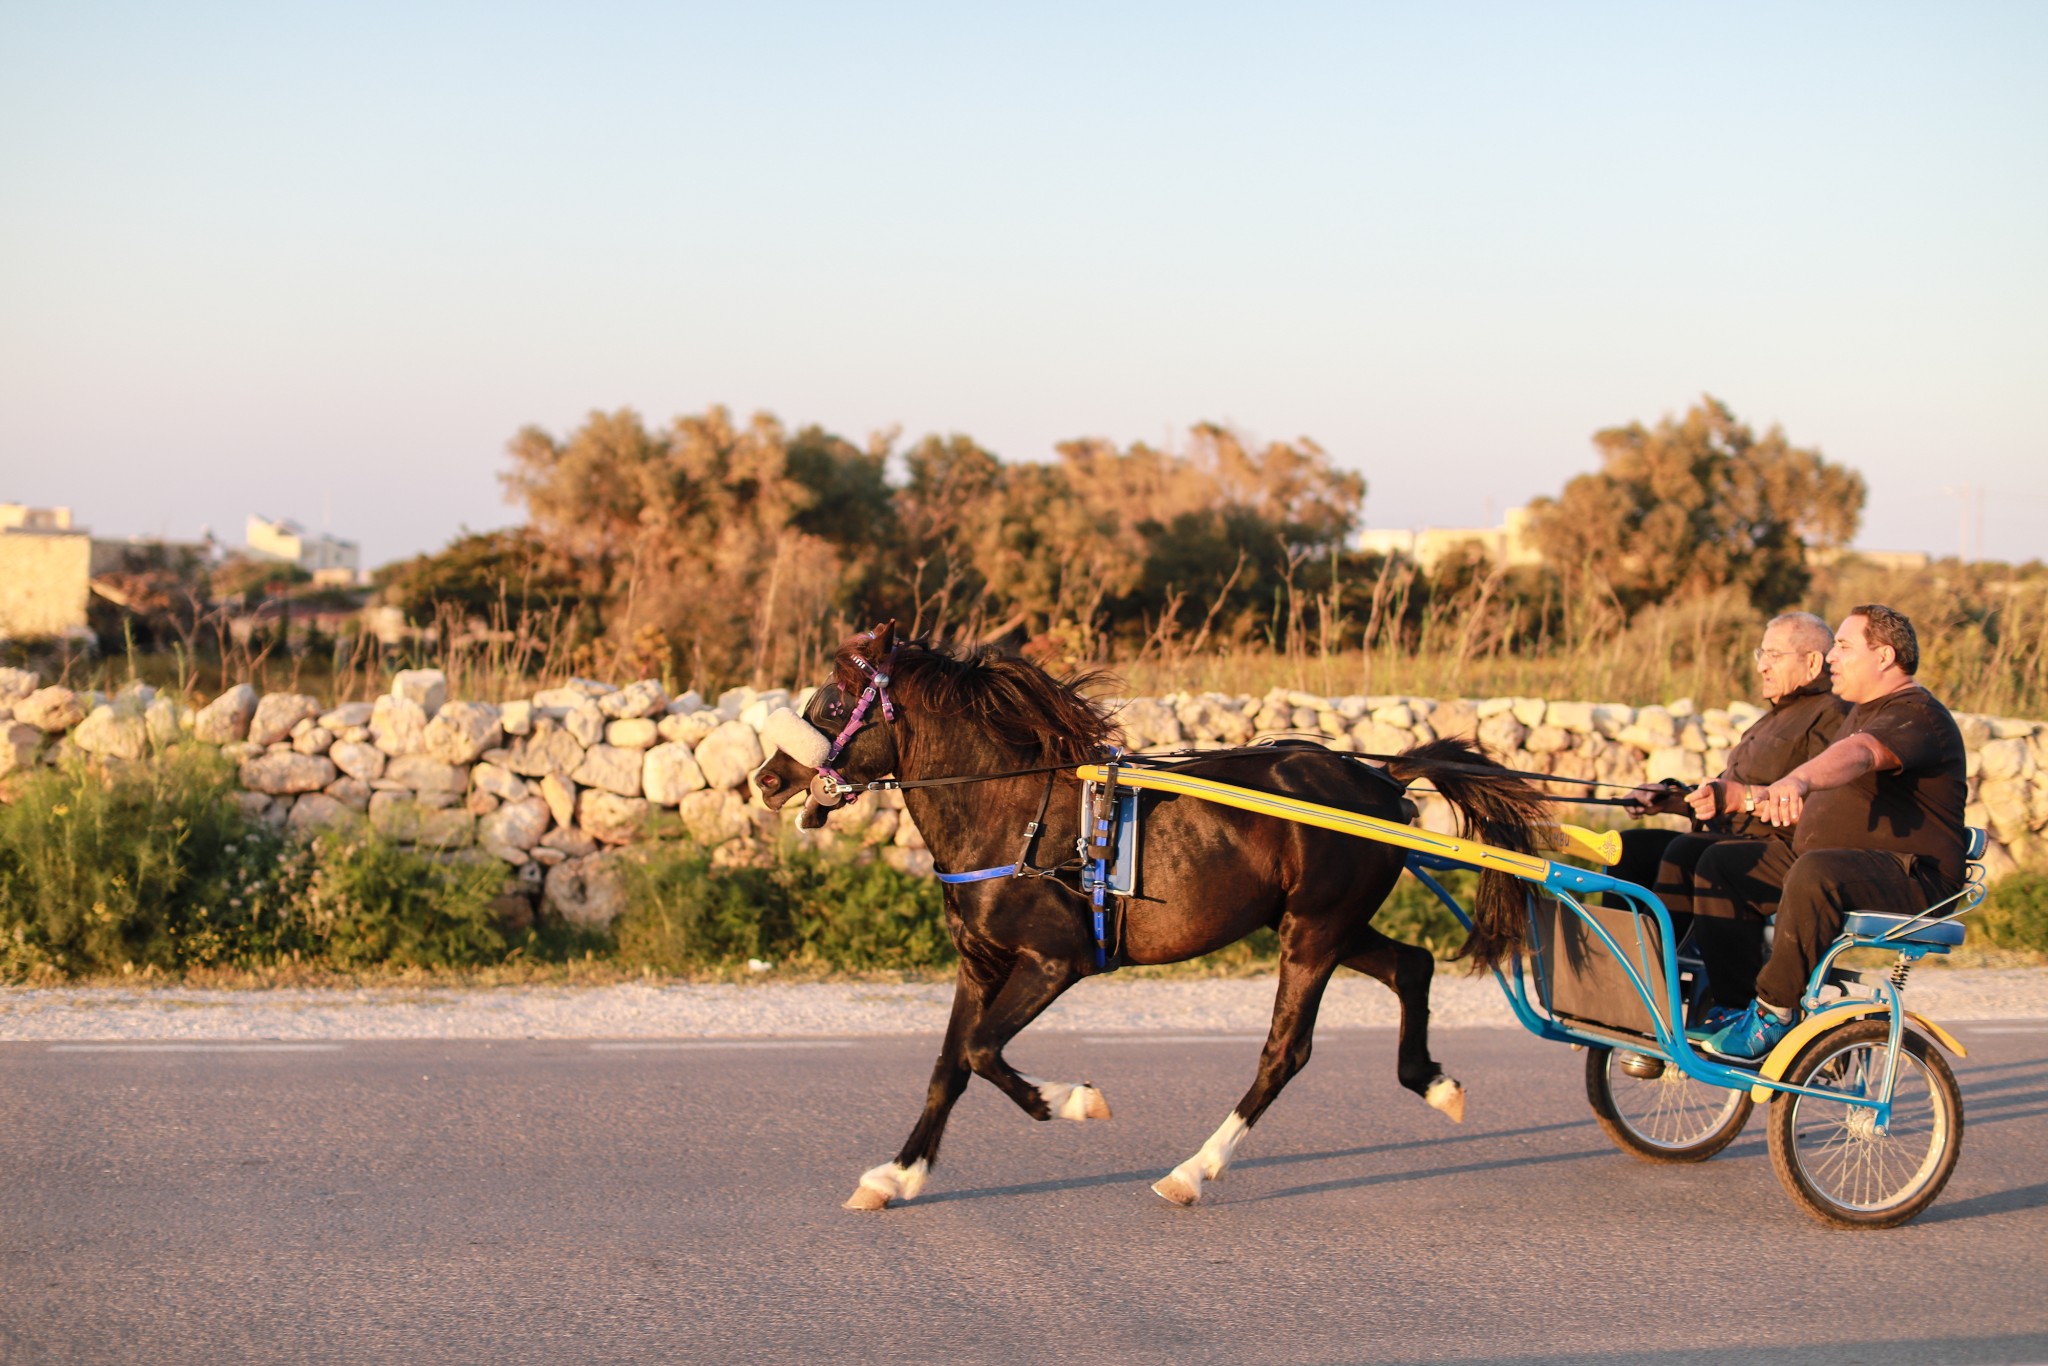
x=558, y=787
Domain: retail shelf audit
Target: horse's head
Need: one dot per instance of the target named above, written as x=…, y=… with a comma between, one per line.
x=846, y=731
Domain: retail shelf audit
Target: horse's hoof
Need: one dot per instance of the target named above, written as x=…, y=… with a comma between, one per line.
x=880, y=1185
x=1446, y=1095
x=1085, y=1103
x=1177, y=1188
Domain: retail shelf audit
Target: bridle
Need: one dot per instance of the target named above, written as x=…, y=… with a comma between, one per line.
x=877, y=690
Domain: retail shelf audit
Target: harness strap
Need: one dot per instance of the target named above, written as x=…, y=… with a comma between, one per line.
x=1022, y=867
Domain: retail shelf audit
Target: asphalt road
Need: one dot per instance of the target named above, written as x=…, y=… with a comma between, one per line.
x=567, y=1202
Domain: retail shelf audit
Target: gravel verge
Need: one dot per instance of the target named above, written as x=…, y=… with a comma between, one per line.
x=1110, y=1005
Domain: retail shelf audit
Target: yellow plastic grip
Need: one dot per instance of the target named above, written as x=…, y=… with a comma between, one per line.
x=1598, y=846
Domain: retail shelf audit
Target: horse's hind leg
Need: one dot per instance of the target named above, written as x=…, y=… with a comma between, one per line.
x=905, y=1177
x=1406, y=971
x=1288, y=1044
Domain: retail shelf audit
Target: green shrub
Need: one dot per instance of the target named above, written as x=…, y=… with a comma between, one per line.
x=2015, y=915
x=143, y=865
x=367, y=902
x=810, y=908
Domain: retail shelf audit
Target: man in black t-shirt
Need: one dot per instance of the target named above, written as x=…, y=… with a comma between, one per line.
x=1879, y=818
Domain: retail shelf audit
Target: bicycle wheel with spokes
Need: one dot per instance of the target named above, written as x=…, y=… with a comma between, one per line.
x=1829, y=1153
x=1666, y=1118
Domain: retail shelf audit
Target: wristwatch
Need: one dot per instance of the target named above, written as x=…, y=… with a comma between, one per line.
x=1748, y=799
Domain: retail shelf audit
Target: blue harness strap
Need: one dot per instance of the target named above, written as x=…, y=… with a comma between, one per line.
x=981, y=874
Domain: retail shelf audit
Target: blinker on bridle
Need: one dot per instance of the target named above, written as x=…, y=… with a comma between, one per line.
x=877, y=689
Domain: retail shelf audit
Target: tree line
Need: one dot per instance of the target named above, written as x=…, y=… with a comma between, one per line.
x=725, y=551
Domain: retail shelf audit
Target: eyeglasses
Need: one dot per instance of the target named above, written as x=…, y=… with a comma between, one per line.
x=1763, y=657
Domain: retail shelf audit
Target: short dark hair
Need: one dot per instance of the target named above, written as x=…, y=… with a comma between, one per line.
x=1883, y=626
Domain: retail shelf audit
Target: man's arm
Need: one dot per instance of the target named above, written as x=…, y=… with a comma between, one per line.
x=1840, y=764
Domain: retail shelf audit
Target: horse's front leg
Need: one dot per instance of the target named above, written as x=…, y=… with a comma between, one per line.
x=905, y=1177
x=1303, y=976
x=1406, y=971
x=1035, y=983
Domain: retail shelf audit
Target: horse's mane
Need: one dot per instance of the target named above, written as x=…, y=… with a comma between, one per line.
x=1011, y=699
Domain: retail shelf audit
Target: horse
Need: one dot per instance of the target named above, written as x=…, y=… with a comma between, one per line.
x=1213, y=874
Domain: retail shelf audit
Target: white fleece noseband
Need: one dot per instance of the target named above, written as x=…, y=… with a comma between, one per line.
x=796, y=737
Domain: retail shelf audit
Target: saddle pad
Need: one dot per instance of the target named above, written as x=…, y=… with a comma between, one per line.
x=1123, y=871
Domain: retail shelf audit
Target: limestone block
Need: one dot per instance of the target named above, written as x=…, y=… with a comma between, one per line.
x=545, y=857
x=460, y=731
x=1502, y=731
x=586, y=892
x=516, y=717
x=569, y=839
x=729, y=754
x=20, y=743
x=911, y=862
x=2005, y=806
x=1147, y=723
x=256, y=807
x=1378, y=737
x=550, y=749
x=1976, y=729
x=286, y=773
x=1399, y=715
x=586, y=724
x=50, y=710
x=714, y=816
x=691, y=701
x=400, y=816
x=644, y=698
x=360, y=761
x=1714, y=762
x=1547, y=739
x=237, y=751
x=670, y=773
x=1610, y=718
x=160, y=719
x=1742, y=715
x=2012, y=728
x=425, y=688
x=2006, y=758
x=276, y=714
x=1332, y=724
x=908, y=836
x=732, y=702
x=610, y=769
x=16, y=684
x=105, y=732
x=1692, y=735
x=479, y=802
x=501, y=783
x=518, y=825
x=313, y=740
x=560, y=795
x=398, y=725
x=1530, y=711
x=340, y=718
x=611, y=819
x=352, y=793
x=422, y=773
x=1455, y=719
x=317, y=811
x=637, y=732
x=1688, y=766
x=687, y=728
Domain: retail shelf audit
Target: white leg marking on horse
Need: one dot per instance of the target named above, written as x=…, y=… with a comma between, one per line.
x=1183, y=1185
x=880, y=1185
x=1446, y=1095
x=1071, y=1100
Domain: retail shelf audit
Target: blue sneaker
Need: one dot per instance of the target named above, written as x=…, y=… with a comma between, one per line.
x=1751, y=1035
x=1715, y=1020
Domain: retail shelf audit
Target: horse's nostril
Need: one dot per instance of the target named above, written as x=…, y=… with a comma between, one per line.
x=768, y=782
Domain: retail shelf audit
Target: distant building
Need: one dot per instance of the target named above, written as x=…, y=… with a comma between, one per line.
x=46, y=566
x=327, y=558
x=1508, y=545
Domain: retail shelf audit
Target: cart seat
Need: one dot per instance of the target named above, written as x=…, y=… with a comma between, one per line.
x=1945, y=934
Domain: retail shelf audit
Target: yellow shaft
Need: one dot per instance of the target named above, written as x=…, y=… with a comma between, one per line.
x=1326, y=817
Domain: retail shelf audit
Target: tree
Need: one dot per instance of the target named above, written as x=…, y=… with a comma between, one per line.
x=1698, y=504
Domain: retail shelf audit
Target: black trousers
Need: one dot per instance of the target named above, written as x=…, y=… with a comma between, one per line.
x=1741, y=883
x=1667, y=862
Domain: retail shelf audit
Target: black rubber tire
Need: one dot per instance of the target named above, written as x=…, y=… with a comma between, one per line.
x=1927, y=1121
x=1697, y=1128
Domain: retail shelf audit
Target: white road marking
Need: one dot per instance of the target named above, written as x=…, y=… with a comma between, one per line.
x=195, y=1048
x=1173, y=1038
x=693, y=1045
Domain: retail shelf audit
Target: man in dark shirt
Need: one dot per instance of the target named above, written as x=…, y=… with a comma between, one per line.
x=1879, y=817
x=1804, y=719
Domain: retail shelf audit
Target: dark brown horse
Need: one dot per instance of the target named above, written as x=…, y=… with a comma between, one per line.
x=1212, y=874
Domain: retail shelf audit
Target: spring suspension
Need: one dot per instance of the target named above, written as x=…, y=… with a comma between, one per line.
x=1901, y=970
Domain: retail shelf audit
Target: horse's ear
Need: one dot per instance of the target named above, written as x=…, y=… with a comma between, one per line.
x=885, y=639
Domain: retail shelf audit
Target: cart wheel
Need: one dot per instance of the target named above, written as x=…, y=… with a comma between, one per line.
x=1666, y=1118
x=1829, y=1156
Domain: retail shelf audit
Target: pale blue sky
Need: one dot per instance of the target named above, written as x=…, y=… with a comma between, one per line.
x=323, y=260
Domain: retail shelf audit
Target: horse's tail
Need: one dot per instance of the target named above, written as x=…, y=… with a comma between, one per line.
x=1495, y=809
